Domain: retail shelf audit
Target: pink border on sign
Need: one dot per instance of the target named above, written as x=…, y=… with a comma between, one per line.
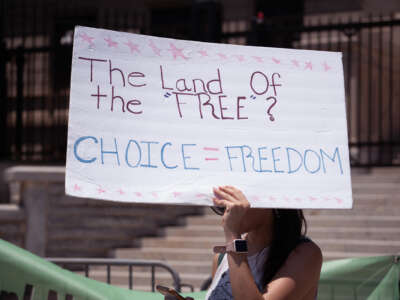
x=176, y=53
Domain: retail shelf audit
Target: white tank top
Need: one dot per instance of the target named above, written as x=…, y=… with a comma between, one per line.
x=220, y=288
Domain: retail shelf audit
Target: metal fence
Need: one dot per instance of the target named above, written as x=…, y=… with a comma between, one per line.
x=85, y=264
x=35, y=59
x=35, y=65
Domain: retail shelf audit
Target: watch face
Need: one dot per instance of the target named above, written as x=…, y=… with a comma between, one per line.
x=241, y=246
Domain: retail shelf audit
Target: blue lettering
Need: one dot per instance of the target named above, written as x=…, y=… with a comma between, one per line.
x=148, y=165
x=305, y=161
x=249, y=155
x=78, y=141
x=109, y=152
x=187, y=157
x=229, y=155
x=289, y=160
x=162, y=156
x=323, y=153
x=126, y=154
x=276, y=159
x=261, y=158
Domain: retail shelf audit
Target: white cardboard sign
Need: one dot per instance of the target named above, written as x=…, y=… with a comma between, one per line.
x=160, y=120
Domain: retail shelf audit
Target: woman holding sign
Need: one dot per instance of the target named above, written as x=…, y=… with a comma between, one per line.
x=265, y=256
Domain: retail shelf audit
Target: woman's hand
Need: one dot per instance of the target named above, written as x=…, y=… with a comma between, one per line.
x=236, y=205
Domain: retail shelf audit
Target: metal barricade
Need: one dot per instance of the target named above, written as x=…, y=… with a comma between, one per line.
x=130, y=263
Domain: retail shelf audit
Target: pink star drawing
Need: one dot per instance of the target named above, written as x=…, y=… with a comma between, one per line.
x=200, y=195
x=258, y=59
x=239, y=57
x=176, y=52
x=308, y=65
x=286, y=198
x=138, y=194
x=295, y=63
x=155, y=49
x=312, y=198
x=340, y=201
x=133, y=47
x=100, y=190
x=111, y=43
x=326, y=199
x=275, y=60
x=326, y=66
x=222, y=56
x=203, y=53
x=272, y=198
x=154, y=194
x=177, y=194
x=87, y=38
x=255, y=198
x=77, y=188
x=298, y=199
x=121, y=192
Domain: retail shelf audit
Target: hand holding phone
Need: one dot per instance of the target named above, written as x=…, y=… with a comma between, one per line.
x=171, y=294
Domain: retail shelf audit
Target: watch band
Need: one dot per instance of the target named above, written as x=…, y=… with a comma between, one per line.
x=232, y=247
x=219, y=249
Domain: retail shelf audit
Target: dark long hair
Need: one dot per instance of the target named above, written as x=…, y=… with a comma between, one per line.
x=289, y=227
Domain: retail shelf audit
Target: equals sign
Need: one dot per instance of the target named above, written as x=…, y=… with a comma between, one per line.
x=211, y=149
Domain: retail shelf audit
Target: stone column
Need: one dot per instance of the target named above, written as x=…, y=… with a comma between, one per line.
x=34, y=182
x=35, y=202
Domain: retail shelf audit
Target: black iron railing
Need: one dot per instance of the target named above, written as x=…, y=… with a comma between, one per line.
x=152, y=266
x=371, y=58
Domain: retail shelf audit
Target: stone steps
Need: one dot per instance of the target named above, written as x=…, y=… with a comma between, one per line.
x=75, y=235
x=12, y=224
x=76, y=251
x=352, y=233
x=383, y=233
x=119, y=209
x=211, y=226
x=353, y=221
x=91, y=228
x=159, y=252
x=165, y=254
x=365, y=246
x=109, y=222
x=362, y=210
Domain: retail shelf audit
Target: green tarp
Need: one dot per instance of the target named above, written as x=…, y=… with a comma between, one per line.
x=371, y=278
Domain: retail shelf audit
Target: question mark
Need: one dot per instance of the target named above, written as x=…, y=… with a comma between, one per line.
x=271, y=117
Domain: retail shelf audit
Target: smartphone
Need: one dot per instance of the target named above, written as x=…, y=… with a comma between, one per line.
x=168, y=291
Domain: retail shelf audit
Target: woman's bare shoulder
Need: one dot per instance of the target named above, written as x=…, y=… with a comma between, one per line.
x=299, y=274
x=307, y=250
x=306, y=254
x=308, y=245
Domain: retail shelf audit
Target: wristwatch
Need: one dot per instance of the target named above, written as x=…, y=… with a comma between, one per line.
x=237, y=246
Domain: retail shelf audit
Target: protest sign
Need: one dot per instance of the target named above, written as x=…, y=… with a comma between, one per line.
x=160, y=120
